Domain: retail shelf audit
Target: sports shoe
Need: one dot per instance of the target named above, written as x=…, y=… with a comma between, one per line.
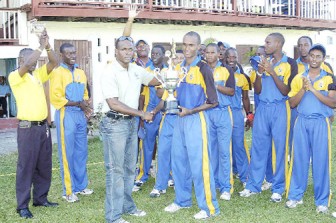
x=71, y=198
x=266, y=186
x=201, y=215
x=138, y=213
x=157, y=193
x=137, y=185
x=322, y=209
x=225, y=196
x=293, y=203
x=334, y=214
x=171, y=183
x=173, y=208
x=246, y=193
x=121, y=220
x=86, y=191
x=276, y=198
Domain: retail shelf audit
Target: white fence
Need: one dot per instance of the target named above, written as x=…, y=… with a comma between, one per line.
x=9, y=24
x=312, y=9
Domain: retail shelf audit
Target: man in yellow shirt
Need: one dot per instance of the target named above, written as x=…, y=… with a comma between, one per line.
x=69, y=95
x=34, y=140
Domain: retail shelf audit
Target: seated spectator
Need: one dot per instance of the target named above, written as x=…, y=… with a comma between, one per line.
x=4, y=92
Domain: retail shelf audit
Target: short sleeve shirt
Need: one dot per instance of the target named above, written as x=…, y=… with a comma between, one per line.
x=124, y=84
x=29, y=94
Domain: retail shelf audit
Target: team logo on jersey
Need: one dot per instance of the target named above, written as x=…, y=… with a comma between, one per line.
x=280, y=70
x=321, y=84
x=216, y=76
x=191, y=76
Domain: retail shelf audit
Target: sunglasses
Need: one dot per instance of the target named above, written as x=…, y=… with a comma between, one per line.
x=122, y=38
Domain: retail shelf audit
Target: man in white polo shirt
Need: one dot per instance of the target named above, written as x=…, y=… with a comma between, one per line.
x=121, y=84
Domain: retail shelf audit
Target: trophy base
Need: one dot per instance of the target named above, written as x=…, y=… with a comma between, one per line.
x=171, y=107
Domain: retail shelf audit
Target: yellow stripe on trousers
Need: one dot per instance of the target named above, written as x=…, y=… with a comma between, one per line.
x=206, y=165
x=329, y=158
x=66, y=171
x=287, y=140
x=289, y=175
x=231, y=172
x=141, y=160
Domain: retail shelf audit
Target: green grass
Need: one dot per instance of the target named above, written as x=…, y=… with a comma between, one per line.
x=91, y=208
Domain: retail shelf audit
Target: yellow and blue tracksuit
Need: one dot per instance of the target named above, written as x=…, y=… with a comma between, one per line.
x=253, y=76
x=147, y=144
x=240, y=151
x=312, y=140
x=163, y=172
x=270, y=131
x=164, y=151
x=220, y=126
x=70, y=85
x=190, y=147
x=302, y=66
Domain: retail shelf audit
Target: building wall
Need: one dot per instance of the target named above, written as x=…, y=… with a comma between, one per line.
x=107, y=32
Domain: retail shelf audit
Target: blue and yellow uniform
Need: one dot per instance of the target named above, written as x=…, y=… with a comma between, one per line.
x=312, y=140
x=190, y=147
x=253, y=76
x=146, y=145
x=240, y=151
x=302, y=66
x=164, y=149
x=220, y=126
x=270, y=131
x=70, y=85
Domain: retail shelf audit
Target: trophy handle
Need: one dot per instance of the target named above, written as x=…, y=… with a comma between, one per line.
x=185, y=73
x=158, y=76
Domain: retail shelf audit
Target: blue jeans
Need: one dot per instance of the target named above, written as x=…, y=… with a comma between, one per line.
x=120, y=155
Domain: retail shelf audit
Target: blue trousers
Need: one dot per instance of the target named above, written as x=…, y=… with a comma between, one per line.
x=240, y=151
x=191, y=163
x=72, y=149
x=220, y=126
x=120, y=143
x=312, y=139
x=147, y=147
x=270, y=128
x=164, y=151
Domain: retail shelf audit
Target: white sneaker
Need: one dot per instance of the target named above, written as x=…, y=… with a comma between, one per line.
x=86, y=191
x=266, y=186
x=201, y=215
x=136, y=188
x=171, y=183
x=276, y=197
x=225, y=196
x=138, y=213
x=137, y=185
x=121, y=220
x=246, y=193
x=293, y=203
x=157, y=193
x=71, y=198
x=173, y=208
x=322, y=209
x=334, y=214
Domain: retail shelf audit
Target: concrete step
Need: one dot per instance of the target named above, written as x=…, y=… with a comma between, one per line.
x=8, y=123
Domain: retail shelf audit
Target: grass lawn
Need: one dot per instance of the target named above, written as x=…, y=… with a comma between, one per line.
x=91, y=208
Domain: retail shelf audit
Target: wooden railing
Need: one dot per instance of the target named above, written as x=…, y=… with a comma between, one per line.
x=307, y=9
x=9, y=32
